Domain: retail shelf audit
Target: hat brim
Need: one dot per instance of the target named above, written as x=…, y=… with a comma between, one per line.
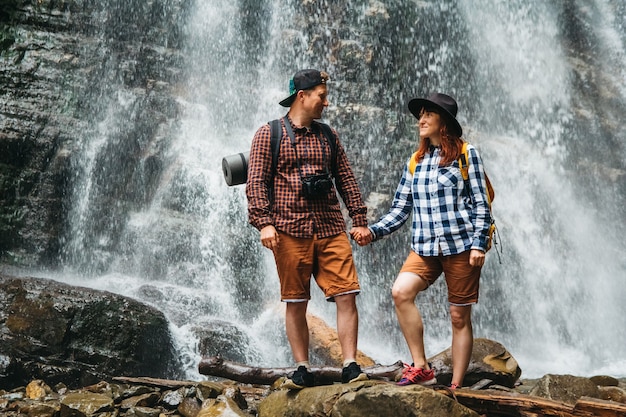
x=289, y=100
x=417, y=104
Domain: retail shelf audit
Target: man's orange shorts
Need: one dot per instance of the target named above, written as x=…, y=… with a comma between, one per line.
x=328, y=260
x=462, y=279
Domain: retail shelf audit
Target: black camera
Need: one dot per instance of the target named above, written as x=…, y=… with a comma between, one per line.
x=316, y=186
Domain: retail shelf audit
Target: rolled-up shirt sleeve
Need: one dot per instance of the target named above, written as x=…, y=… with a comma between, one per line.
x=400, y=208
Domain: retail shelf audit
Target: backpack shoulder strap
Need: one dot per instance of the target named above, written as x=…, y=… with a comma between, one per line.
x=276, y=134
x=327, y=131
x=412, y=163
x=332, y=141
x=464, y=162
x=464, y=167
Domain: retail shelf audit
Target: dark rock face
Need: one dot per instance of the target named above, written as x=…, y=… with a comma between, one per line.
x=76, y=335
x=59, y=63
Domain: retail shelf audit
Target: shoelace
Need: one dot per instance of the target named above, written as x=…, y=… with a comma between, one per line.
x=412, y=373
x=406, y=370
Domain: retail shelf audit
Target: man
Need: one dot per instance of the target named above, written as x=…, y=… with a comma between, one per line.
x=294, y=204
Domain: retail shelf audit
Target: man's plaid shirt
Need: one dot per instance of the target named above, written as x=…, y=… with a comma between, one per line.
x=446, y=215
x=289, y=211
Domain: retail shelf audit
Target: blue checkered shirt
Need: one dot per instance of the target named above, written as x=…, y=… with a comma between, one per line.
x=448, y=216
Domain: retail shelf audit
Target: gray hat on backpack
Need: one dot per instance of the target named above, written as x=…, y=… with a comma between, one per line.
x=442, y=103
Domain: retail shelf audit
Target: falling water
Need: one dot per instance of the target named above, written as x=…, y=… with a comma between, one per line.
x=557, y=294
x=183, y=243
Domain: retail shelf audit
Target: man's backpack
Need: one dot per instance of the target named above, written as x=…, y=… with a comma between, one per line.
x=276, y=135
x=464, y=167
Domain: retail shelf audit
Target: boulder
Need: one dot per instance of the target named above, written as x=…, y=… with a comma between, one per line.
x=616, y=394
x=490, y=360
x=565, y=388
x=605, y=381
x=84, y=403
x=228, y=340
x=367, y=398
x=221, y=406
x=61, y=333
x=325, y=346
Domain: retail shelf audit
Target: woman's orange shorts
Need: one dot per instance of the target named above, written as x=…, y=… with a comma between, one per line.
x=462, y=279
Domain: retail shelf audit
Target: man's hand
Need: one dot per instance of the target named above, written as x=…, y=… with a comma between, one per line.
x=269, y=237
x=362, y=235
x=477, y=257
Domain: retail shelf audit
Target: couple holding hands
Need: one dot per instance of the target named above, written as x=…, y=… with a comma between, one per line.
x=304, y=227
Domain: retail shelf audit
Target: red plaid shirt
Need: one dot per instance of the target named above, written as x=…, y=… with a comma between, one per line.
x=289, y=211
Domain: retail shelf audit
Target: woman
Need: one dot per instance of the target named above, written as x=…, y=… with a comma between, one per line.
x=450, y=230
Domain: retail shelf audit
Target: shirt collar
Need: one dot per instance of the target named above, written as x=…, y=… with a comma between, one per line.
x=301, y=129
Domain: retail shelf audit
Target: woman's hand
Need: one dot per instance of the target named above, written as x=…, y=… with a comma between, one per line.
x=362, y=235
x=477, y=257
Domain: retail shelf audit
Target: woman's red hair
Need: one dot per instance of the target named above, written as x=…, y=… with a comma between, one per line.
x=451, y=143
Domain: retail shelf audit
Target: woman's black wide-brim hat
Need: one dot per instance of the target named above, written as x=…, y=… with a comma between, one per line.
x=441, y=102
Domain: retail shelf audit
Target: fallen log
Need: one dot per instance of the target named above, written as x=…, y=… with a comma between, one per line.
x=600, y=408
x=511, y=404
x=168, y=384
x=154, y=382
x=217, y=366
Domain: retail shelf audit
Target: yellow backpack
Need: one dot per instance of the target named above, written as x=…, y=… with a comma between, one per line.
x=464, y=167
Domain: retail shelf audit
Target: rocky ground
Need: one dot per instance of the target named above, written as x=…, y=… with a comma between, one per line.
x=151, y=397
x=60, y=346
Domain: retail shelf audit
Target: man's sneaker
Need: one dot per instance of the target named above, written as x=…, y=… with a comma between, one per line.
x=420, y=376
x=301, y=378
x=353, y=373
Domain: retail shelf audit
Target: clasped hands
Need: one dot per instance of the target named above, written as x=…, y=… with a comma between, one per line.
x=361, y=235
x=269, y=236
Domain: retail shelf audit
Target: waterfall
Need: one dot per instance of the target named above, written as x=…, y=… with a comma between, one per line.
x=557, y=294
x=152, y=218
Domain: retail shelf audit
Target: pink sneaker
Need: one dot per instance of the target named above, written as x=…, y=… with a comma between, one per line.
x=412, y=375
